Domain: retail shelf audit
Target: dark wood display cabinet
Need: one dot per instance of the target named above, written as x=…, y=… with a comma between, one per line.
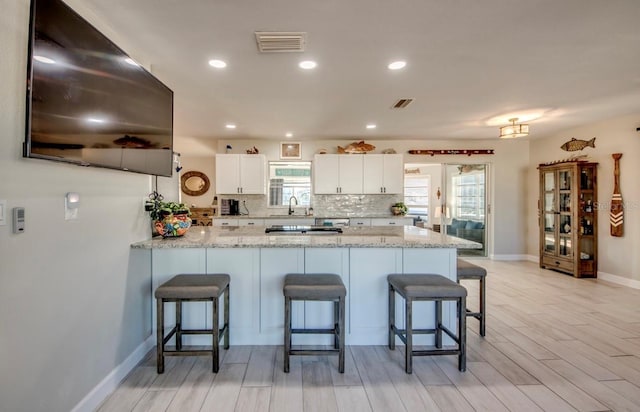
x=568, y=218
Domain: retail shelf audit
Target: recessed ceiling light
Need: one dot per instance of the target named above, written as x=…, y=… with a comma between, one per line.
x=397, y=65
x=371, y=126
x=289, y=134
x=43, y=59
x=95, y=120
x=307, y=64
x=130, y=61
x=230, y=126
x=218, y=64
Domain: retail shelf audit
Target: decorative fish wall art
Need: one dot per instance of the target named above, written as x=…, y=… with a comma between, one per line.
x=356, y=147
x=575, y=144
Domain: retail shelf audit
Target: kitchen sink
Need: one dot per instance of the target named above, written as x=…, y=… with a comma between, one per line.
x=301, y=229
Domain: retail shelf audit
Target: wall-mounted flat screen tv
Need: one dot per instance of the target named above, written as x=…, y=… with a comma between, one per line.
x=88, y=102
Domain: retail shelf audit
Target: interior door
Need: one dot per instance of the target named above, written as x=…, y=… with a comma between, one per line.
x=465, y=205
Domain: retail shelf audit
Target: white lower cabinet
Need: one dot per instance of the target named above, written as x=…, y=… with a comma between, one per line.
x=250, y=222
x=275, y=263
x=243, y=266
x=320, y=314
x=368, y=270
x=257, y=302
x=392, y=221
x=359, y=221
x=165, y=264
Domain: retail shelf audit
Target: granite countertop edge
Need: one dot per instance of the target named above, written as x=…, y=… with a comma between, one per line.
x=361, y=237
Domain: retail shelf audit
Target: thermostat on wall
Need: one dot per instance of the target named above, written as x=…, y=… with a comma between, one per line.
x=18, y=219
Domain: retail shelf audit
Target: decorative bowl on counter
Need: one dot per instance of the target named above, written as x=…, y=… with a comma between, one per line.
x=173, y=225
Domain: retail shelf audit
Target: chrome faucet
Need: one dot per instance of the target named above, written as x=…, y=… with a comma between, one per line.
x=290, y=208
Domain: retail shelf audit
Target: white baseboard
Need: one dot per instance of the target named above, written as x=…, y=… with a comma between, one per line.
x=100, y=392
x=509, y=257
x=619, y=280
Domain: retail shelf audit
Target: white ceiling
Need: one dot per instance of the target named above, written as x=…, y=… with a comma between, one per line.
x=467, y=61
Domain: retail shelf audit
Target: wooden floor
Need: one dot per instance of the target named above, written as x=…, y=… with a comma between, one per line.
x=553, y=343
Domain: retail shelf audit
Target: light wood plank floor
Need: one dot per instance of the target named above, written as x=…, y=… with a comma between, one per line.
x=553, y=343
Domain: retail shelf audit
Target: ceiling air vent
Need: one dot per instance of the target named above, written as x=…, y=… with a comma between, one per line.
x=402, y=103
x=275, y=42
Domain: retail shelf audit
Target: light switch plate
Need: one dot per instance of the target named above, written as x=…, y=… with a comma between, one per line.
x=3, y=212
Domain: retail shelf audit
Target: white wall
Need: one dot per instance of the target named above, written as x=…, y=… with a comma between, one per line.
x=75, y=303
x=616, y=255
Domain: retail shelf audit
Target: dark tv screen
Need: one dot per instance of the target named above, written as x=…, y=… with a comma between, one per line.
x=88, y=102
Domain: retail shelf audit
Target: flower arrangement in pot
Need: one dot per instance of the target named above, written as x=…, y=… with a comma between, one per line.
x=399, y=209
x=170, y=219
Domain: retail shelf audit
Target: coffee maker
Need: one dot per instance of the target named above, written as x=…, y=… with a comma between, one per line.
x=230, y=207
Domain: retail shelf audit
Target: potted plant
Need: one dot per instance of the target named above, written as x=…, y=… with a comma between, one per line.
x=170, y=219
x=399, y=209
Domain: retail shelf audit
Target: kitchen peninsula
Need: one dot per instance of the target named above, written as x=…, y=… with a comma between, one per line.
x=257, y=263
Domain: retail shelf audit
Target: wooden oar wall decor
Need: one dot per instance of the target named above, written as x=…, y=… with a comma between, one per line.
x=616, y=217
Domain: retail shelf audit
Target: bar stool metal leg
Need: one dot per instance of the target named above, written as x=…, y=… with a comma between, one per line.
x=342, y=310
x=216, y=335
x=226, y=318
x=462, y=334
x=408, y=361
x=178, y=324
x=483, y=312
x=392, y=318
x=336, y=324
x=438, y=304
x=287, y=332
x=160, y=334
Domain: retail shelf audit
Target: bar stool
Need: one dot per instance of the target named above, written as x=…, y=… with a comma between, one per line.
x=192, y=288
x=469, y=271
x=427, y=287
x=319, y=287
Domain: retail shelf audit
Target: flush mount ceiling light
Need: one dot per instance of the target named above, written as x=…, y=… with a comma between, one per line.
x=397, y=65
x=308, y=64
x=218, y=64
x=230, y=126
x=371, y=126
x=289, y=134
x=514, y=130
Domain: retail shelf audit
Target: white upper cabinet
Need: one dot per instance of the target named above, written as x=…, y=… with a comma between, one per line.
x=241, y=174
x=383, y=173
x=337, y=174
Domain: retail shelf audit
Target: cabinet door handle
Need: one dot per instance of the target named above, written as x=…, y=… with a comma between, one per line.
x=250, y=224
x=385, y=190
x=392, y=223
x=337, y=190
x=381, y=190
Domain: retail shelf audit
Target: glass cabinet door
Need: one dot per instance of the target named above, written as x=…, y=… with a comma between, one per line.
x=549, y=213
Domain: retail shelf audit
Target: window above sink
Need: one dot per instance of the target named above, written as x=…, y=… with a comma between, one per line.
x=288, y=179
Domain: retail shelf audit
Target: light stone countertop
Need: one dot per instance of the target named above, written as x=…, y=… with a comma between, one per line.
x=352, y=237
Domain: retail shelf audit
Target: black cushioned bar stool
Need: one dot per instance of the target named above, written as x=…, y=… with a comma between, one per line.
x=427, y=287
x=469, y=271
x=320, y=287
x=193, y=288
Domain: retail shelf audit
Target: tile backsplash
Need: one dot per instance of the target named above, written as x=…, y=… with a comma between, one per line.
x=324, y=205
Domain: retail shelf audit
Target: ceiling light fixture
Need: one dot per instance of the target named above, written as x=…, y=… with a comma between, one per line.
x=514, y=130
x=289, y=134
x=371, y=126
x=397, y=65
x=308, y=64
x=230, y=126
x=218, y=64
